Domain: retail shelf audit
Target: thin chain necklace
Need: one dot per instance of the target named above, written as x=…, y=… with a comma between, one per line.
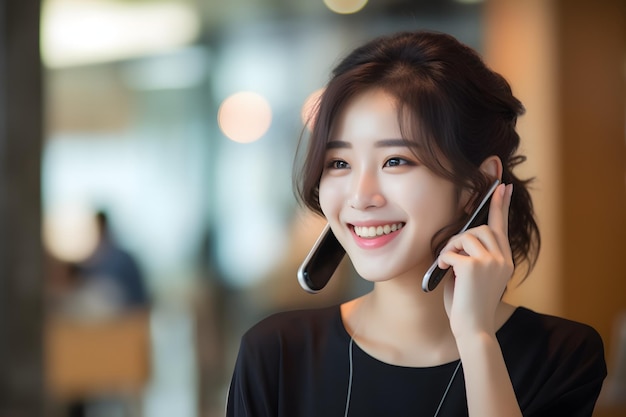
x=351, y=363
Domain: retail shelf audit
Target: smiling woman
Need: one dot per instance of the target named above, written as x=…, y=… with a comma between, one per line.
x=368, y=169
x=410, y=132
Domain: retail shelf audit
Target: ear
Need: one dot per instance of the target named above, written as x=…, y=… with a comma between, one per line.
x=492, y=167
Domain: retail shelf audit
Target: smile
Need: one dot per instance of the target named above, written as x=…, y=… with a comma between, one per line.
x=369, y=232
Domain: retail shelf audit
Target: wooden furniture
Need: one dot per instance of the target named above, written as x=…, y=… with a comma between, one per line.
x=84, y=359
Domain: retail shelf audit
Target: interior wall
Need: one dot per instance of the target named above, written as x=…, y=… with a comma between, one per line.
x=520, y=44
x=566, y=61
x=592, y=106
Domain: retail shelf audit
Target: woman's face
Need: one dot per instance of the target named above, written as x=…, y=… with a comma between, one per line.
x=381, y=203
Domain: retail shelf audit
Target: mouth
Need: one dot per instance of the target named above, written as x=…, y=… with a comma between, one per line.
x=372, y=232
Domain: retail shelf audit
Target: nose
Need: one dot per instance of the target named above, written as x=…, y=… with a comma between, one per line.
x=366, y=192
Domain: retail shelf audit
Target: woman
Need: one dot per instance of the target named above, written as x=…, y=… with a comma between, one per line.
x=411, y=131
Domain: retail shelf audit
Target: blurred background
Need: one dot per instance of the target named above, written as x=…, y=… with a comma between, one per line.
x=147, y=212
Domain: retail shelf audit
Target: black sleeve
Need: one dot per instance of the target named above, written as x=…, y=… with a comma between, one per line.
x=574, y=386
x=255, y=378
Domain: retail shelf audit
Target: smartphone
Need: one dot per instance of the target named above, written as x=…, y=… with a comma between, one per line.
x=321, y=262
x=434, y=275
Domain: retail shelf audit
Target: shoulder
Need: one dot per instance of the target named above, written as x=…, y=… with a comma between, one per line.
x=536, y=343
x=295, y=320
x=280, y=352
x=528, y=325
x=293, y=327
x=556, y=365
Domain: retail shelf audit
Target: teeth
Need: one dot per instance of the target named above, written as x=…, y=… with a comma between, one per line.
x=377, y=231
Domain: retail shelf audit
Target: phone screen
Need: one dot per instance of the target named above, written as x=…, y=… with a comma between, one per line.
x=322, y=261
x=434, y=275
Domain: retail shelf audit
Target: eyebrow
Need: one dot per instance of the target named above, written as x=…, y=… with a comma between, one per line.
x=383, y=143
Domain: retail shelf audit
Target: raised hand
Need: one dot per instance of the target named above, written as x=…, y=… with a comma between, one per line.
x=482, y=265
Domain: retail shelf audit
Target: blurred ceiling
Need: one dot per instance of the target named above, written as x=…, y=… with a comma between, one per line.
x=217, y=13
x=78, y=31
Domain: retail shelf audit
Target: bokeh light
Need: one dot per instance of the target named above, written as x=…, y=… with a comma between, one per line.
x=77, y=32
x=70, y=232
x=345, y=6
x=244, y=117
x=310, y=108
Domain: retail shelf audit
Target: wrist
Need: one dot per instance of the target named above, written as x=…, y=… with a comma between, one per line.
x=473, y=330
x=473, y=341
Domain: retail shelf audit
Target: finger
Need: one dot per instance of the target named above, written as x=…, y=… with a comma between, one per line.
x=496, y=218
x=466, y=244
x=508, y=195
x=485, y=236
x=450, y=259
x=499, y=215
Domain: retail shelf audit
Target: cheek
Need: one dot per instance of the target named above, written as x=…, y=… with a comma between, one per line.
x=330, y=197
x=432, y=206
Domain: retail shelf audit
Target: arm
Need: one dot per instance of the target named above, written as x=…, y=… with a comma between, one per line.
x=488, y=385
x=482, y=262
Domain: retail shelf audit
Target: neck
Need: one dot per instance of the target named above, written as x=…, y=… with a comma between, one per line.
x=400, y=324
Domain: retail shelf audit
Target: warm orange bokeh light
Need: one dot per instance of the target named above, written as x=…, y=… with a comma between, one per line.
x=345, y=6
x=310, y=108
x=244, y=117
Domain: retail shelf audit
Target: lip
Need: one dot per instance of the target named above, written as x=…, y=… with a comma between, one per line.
x=374, y=242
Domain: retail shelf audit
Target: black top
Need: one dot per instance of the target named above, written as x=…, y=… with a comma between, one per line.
x=296, y=364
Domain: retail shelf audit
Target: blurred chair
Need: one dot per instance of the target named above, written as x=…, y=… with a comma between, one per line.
x=88, y=360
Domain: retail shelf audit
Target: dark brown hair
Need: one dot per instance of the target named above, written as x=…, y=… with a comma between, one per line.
x=451, y=105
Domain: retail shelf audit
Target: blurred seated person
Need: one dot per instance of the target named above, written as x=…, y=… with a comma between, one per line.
x=109, y=280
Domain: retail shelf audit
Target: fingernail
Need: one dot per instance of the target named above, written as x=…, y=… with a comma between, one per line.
x=501, y=189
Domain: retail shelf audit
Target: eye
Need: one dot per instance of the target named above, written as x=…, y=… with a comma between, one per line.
x=338, y=164
x=396, y=162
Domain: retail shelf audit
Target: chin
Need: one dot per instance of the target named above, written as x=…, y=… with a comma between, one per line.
x=373, y=272
x=372, y=275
